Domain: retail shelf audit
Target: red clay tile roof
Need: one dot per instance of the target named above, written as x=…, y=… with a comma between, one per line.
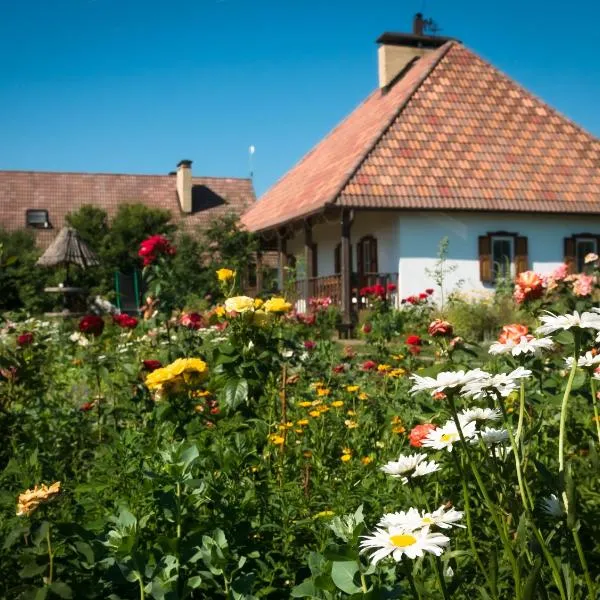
x=453, y=134
x=61, y=193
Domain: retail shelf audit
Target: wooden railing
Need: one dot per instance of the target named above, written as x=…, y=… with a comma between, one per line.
x=320, y=287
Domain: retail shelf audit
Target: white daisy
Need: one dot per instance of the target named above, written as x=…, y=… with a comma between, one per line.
x=490, y=436
x=526, y=345
x=478, y=414
x=552, y=323
x=586, y=360
x=446, y=519
x=446, y=380
x=444, y=437
x=503, y=383
x=408, y=520
x=551, y=506
x=411, y=465
x=395, y=542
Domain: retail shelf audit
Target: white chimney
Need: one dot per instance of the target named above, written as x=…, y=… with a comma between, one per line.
x=398, y=50
x=184, y=185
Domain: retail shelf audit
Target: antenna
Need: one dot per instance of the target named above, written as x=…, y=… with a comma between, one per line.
x=251, y=151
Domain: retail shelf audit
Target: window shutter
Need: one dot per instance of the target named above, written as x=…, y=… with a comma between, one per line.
x=360, y=255
x=374, y=267
x=521, y=258
x=485, y=259
x=570, y=254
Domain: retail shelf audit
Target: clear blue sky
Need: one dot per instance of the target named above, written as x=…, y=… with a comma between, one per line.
x=135, y=85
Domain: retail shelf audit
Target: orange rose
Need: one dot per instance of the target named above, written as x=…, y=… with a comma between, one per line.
x=513, y=333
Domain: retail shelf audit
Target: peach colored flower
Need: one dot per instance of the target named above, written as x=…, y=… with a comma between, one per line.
x=583, y=285
x=513, y=332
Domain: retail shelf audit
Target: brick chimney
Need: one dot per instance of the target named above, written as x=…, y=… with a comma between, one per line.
x=398, y=51
x=184, y=185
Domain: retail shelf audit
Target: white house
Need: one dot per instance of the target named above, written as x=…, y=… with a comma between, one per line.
x=447, y=146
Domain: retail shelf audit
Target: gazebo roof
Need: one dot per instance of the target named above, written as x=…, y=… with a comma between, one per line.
x=68, y=249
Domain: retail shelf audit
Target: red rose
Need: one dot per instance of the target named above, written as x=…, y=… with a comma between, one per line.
x=367, y=328
x=414, y=340
x=439, y=328
x=153, y=247
x=307, y=319
x=339, y=369
x=86, y=406
x=419, y=433
x=369, y=365
x=151, y=365
x=25, y=339
x=412, y=300
x=91, y=324
x=391, y=287
x=191, y=320
x=309, y=345
x=429, y=291
x=423, y=296
x=125, y=321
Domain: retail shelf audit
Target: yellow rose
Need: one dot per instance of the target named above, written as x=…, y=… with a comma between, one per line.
x=220, y=311
x=277, y=305
x=258, y=302
x=239, y=304
x=182, y=368
x=225, y=274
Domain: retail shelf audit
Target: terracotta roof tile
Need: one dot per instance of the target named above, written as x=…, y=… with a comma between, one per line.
x=61, y=193
x=454, y=133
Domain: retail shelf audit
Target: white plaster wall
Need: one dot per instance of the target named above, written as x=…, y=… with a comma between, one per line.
x=419, y=234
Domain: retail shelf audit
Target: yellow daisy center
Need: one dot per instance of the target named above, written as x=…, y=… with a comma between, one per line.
x=449, y=437
x=403, y=540
x=428, y=521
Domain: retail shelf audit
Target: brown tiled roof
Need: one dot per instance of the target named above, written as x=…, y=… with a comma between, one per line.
x=453, y=134
x=61, y=193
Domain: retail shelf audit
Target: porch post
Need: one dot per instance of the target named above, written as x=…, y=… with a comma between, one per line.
x=259, y=272
x=346, y=269
x=282, y=259
x=308, y=258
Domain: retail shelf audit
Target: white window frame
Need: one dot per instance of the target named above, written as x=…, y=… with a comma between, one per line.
x=503, y=238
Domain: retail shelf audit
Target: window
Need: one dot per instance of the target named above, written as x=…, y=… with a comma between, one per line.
x=577, y=247
x=367, y=255
x=37, y=218
x=502, y=254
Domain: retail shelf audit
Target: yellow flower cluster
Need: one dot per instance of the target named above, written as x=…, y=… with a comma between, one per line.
x=239, y=304
x=395, y=373
x=397, y=426
x=225, y=274
x=244, y=304
x=277, y=305
x=352, y=388
x=346, y=454
x=183, y=370
x=276, y=439
x=29, y=500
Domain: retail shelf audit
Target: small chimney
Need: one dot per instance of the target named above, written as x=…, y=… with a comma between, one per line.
x=397, y=51
x=184, y=185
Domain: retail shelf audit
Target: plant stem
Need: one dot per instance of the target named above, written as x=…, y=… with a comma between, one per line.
x=440, y=575
x=563, y=419
x=141, y=584
x=50, y=558
x=488, y=501
x=595, y=405
x=465, y=489
x=363, y=581
x=411, y=581
x=178, y=510
x=586, y=572
x=521, y=412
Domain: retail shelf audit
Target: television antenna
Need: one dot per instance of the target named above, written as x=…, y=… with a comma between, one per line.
x=251, y=151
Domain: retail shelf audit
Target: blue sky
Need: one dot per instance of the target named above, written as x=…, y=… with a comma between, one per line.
x=134, y=86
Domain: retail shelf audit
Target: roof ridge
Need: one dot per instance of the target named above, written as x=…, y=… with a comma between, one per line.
x=107, y=174
x=443, y=51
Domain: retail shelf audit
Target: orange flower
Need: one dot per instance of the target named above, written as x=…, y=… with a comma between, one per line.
x=513, y=333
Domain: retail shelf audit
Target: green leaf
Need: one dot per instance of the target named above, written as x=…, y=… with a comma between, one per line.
x=236, y=392
x=189, y=455
x=532, y=580
x=33, y=570
x=61, y=589
x=306, y=589
x=343, y=573
x=194, y=582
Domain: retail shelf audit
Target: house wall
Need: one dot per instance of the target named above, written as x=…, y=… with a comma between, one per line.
x=419, y=234
x=408, y=243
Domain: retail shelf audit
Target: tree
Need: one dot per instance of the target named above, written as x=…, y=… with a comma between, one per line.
x=91, y=223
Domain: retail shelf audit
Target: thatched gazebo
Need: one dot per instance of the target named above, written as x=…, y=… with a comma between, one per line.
x=67, y=249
